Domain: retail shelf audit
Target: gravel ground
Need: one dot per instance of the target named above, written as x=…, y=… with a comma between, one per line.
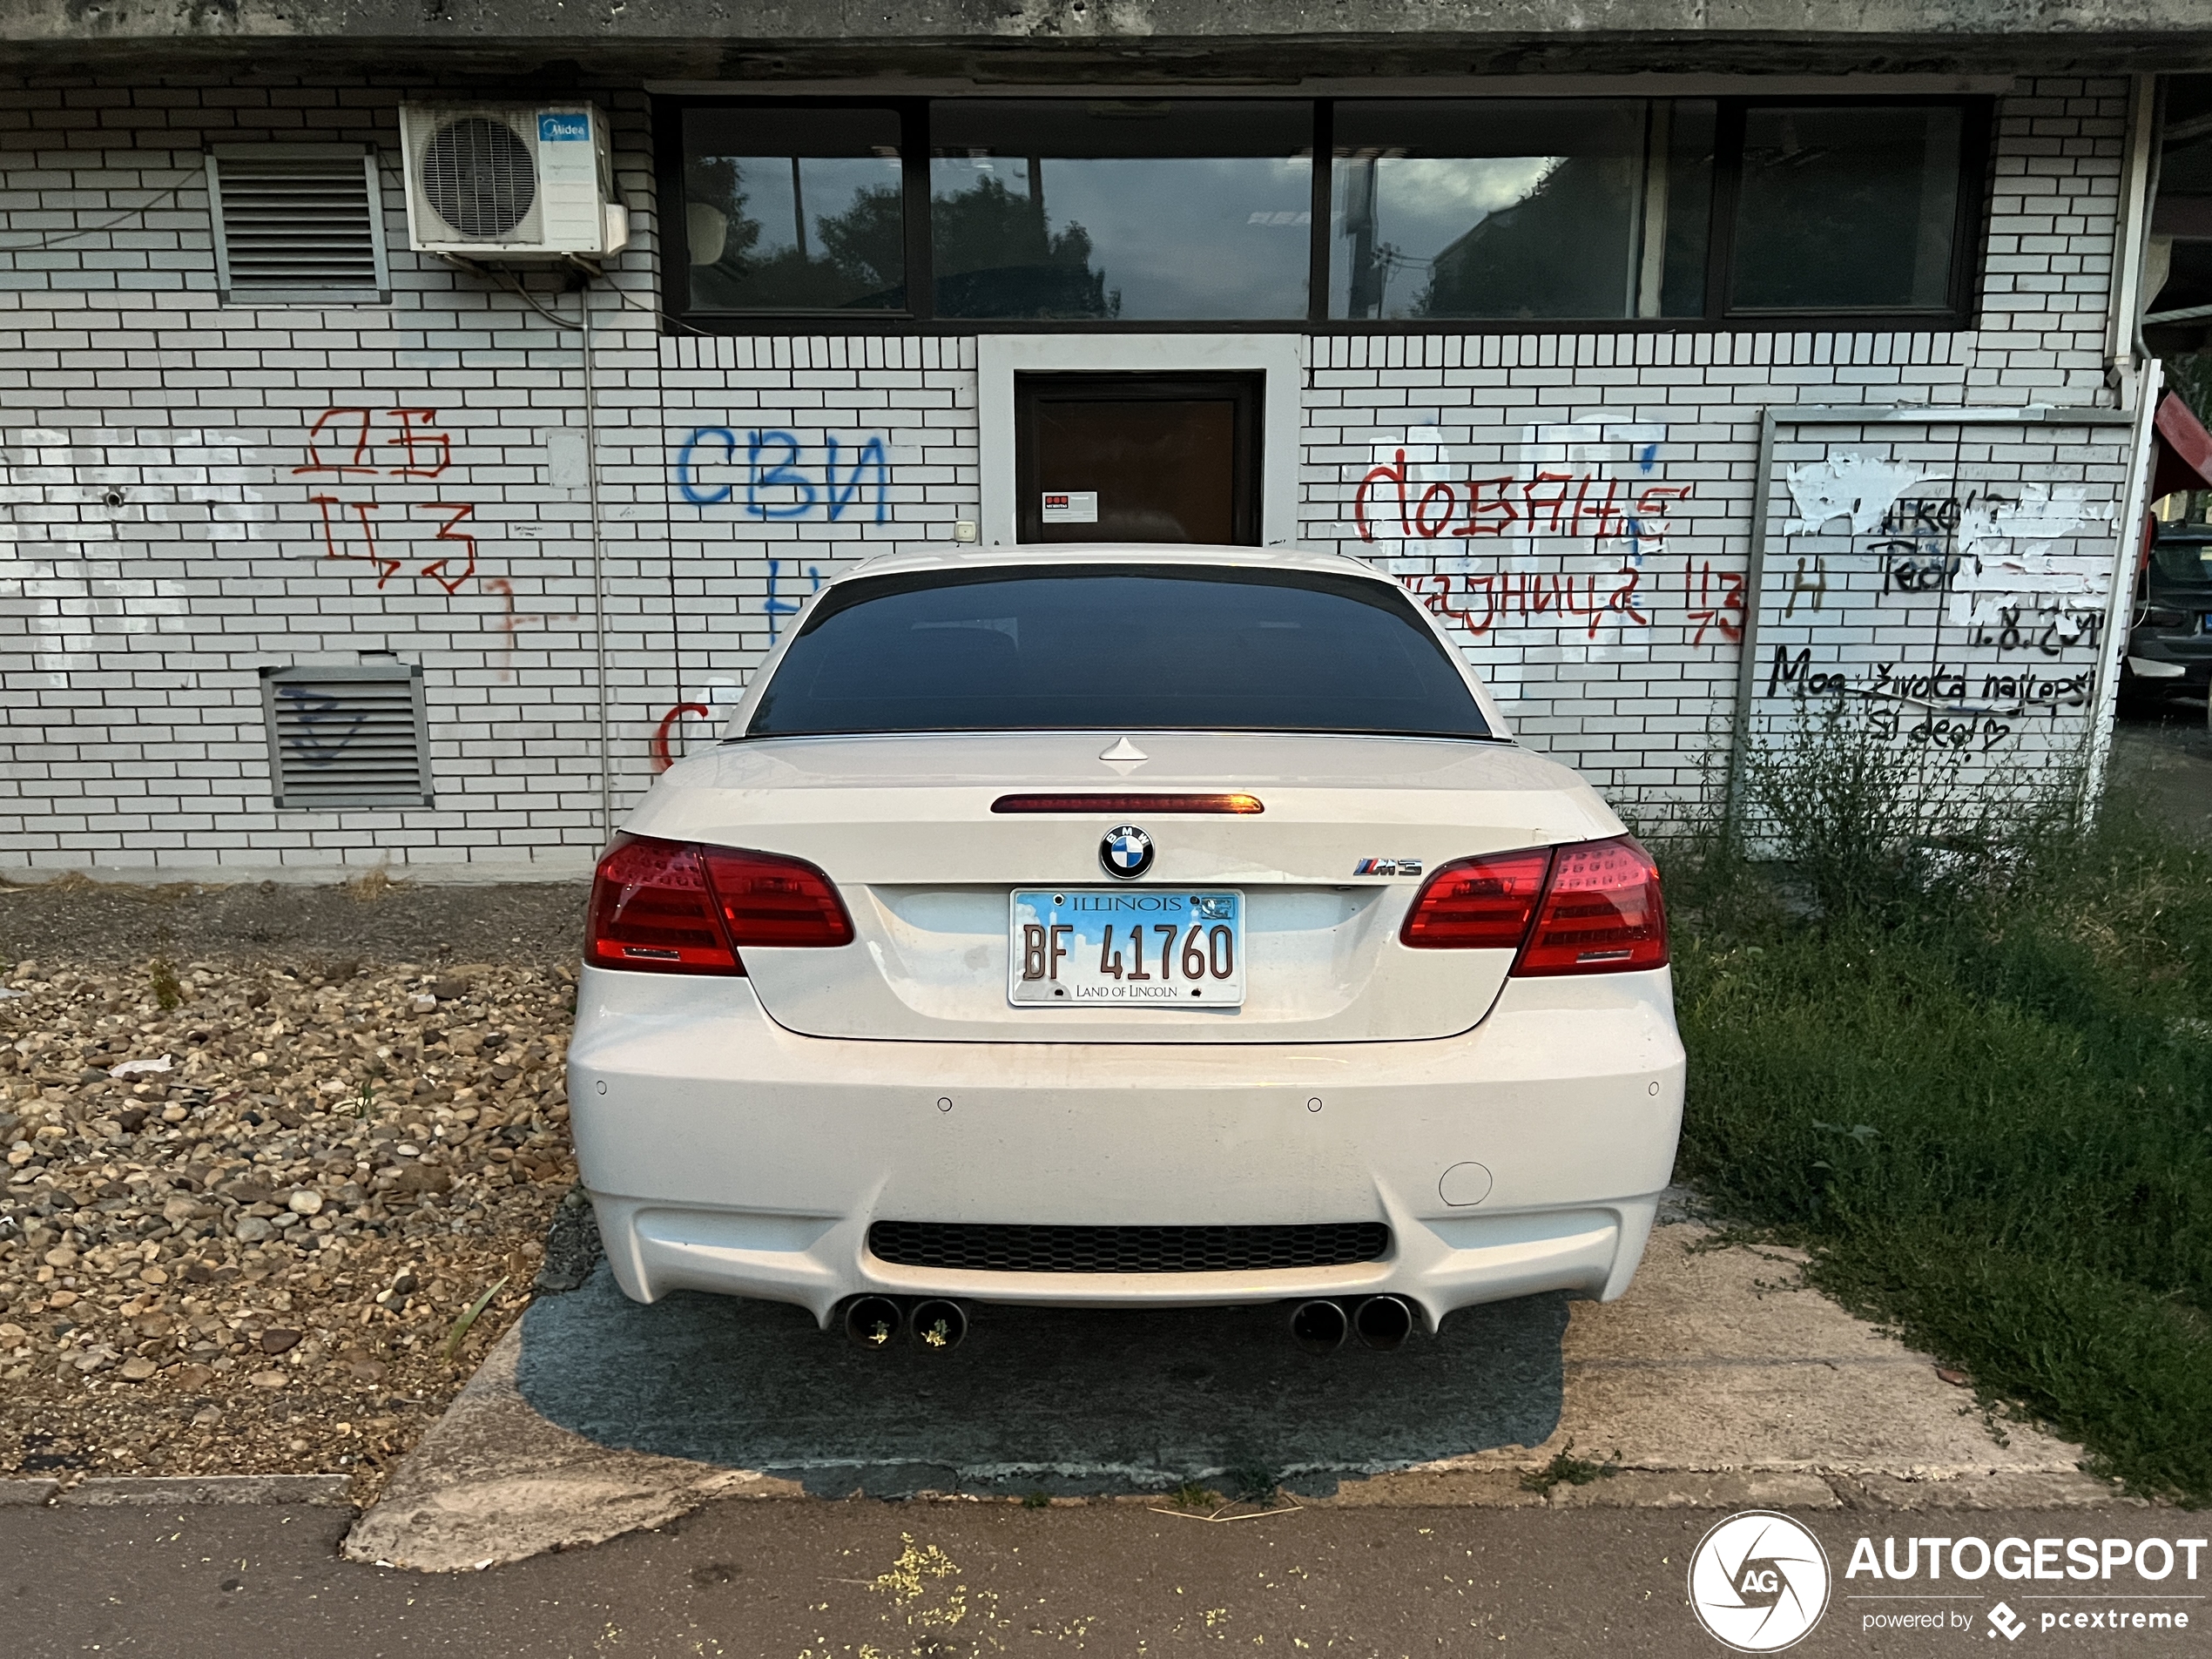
x=368, y=919
x=251, y=1258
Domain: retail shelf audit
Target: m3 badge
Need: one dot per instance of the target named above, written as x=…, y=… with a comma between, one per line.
x=1388, y=866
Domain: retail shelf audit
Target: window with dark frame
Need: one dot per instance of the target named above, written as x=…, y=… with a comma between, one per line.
x=1124, y=210
x=793, y=210
x=1459, y=215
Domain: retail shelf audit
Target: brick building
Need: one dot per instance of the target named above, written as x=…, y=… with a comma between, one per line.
x=1689, y=372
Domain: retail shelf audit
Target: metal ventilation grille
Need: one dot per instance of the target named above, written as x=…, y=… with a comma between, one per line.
x=977, y=1247
x=347, y=737
x=479, y=177
x=298, y=222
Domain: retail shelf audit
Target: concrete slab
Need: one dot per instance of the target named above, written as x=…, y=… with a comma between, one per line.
x=1721, y=1381
x=1060, y=1401
x=24, y=1494
x=1725, y=1358
x=494, y=1482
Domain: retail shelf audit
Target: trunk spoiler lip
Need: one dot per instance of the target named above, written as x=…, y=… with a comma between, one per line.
x=1493, y=739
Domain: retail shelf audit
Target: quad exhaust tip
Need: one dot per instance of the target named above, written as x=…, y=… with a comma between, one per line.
x=939, y=1325
x=874, y=1322
x=1381, y=1323
x=1384, y=1323
x=1319, y=1327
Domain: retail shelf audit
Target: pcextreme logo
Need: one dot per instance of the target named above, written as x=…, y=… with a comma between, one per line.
x=1758, y=1581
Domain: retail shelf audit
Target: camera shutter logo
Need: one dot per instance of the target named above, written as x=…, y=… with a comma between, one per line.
x=1758, y=1581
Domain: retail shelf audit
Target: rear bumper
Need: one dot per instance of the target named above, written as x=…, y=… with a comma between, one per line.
x=724, y=1153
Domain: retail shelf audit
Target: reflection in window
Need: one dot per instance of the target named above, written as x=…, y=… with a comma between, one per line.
x=1846, y=209
x=1125, y=209
x=793, y=210
x=1520, y=209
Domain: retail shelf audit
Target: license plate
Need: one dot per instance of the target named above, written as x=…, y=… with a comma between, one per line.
x=1103, y=946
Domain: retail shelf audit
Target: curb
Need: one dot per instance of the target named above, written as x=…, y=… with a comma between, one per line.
x=1492, y=1488
x=326, y=1491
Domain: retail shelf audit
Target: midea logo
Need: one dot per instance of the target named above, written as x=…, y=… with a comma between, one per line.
x=1758, y=1581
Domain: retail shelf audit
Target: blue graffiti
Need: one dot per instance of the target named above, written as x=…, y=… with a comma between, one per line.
x=871, y=455
x=776, y=607
x=776, y=483
x=323, y=725
x=783, y=475
x=684, y=479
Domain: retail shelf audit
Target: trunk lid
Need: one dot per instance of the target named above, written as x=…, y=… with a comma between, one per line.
x=904, y=827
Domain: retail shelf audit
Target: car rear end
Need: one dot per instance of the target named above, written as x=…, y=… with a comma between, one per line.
x=2170, y=639
x=1319, y=1002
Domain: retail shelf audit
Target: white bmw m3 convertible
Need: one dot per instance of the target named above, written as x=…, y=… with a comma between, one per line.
x=1123, y=925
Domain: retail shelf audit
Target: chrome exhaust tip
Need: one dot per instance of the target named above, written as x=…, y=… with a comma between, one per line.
x=939, y=1325
x=874, y=1322
x=1383, y=1323
x=1318, y=1327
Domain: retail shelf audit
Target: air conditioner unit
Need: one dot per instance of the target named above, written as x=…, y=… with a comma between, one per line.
x=507, y=181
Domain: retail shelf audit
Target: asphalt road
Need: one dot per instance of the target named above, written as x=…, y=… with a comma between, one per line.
x=794, y=1580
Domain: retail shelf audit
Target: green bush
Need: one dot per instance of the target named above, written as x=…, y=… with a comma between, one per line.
x=1972, y=1078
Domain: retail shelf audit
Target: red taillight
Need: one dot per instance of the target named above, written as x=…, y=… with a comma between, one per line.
x=1587, y=907
x=768, y=900
x=672, y=907
x=1479, y=904
x=1602, y=914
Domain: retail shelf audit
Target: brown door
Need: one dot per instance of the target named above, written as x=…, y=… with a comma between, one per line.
x=1137, y=458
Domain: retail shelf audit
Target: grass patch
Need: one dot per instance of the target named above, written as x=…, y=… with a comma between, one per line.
x=1568, y=1469
x=1973, y=1080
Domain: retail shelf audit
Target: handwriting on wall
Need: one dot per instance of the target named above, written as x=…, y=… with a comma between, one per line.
x=1567, y=541
x=1960, y=616
x=1564, y=500
x=770, y=474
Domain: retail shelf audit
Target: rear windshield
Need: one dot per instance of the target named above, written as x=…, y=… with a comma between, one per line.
x=2183, y=558
x=1116, y=648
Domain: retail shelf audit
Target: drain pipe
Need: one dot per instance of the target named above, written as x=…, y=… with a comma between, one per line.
x=582, y=326
x=598, y=571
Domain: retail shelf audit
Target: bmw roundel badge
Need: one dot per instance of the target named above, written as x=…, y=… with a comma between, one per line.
x=1126, y=853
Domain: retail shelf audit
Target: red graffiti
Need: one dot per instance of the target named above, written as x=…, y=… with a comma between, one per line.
x=359, y=418
x=1479, y=602
x=1396, y=474
x=1724, y=614
x=662, y=760
x=511, y=621
x=386, y=568
x=425, y=452
x=435, y=569
x=1551, y=503
x=346, y=425
x=1422, y=525
x=1529, y=596
x=413, y=437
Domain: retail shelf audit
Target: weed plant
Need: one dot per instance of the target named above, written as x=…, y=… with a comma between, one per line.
x=1965, y=1056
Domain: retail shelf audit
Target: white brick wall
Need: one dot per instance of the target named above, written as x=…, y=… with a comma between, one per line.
x=160, y=542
